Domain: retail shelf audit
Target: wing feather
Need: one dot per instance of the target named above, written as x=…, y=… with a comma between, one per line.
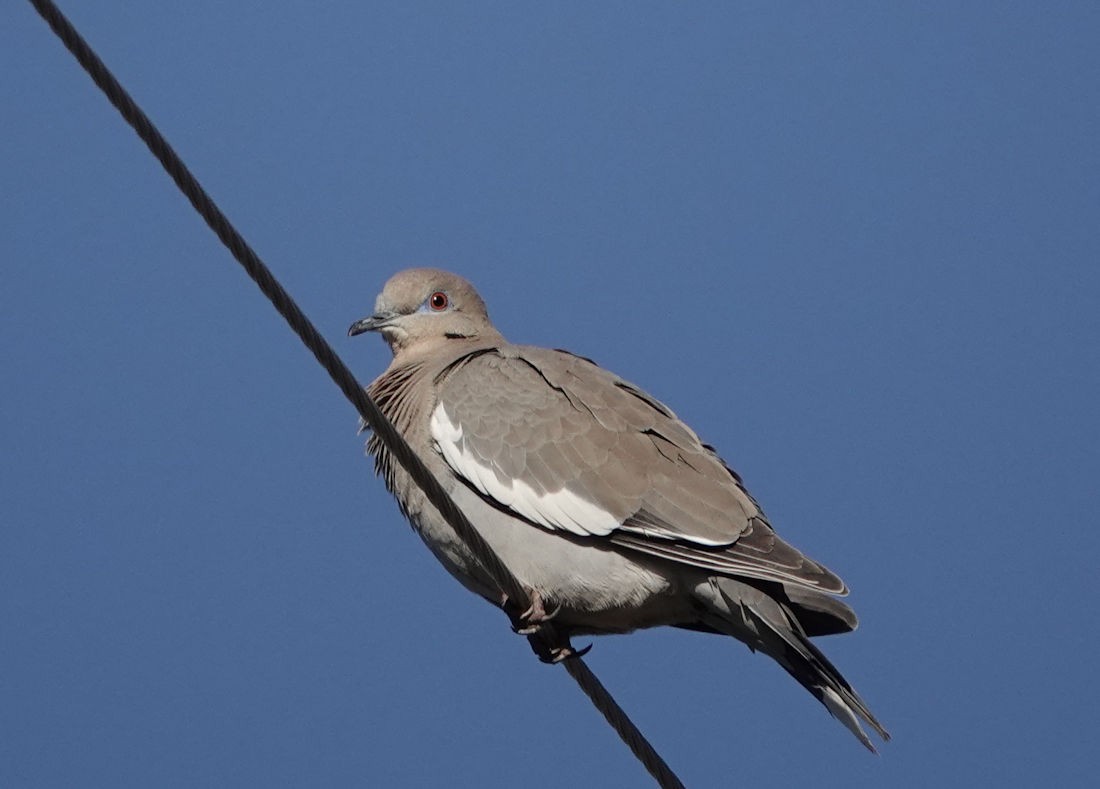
x=567, y=445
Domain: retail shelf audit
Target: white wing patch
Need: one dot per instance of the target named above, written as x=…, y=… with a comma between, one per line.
x=559, y=509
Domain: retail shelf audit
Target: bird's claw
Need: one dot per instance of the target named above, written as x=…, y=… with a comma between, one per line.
x=532, y=620
x=529, y=622
x=535, y=623
x=554, y=655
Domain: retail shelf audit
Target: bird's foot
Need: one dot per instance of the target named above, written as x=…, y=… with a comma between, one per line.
x=556, y=654
x=537, y=624
x=532, y=620
x=529, y=622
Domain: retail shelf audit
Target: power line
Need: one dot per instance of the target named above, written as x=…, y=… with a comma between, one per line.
x=545, y=641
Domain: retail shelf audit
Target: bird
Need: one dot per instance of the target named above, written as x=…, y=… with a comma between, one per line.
x=607, y=507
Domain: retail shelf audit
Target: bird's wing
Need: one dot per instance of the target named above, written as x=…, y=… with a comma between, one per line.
x=566, y=445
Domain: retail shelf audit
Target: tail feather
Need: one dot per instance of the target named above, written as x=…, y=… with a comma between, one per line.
x=769, y=626
x=816, y=673
x=843, y=713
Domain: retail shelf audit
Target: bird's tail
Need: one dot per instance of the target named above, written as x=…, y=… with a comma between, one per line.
x=769, y=626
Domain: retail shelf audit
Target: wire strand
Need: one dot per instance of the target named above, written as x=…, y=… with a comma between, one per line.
x=343, y=378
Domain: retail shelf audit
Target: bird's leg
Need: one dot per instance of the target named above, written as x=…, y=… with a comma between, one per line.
x=535, y=623
x=528, y=622
x=535, y=616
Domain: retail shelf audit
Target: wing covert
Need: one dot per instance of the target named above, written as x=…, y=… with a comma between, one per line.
x=567, y=445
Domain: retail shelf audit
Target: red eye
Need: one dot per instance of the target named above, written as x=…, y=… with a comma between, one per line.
x=438, y=301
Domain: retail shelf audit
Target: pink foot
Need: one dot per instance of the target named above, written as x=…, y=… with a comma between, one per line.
x=535, y=623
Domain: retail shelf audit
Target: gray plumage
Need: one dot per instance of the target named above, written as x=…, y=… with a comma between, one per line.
x=604, y=504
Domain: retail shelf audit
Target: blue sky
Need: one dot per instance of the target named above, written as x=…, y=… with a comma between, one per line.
x=856, y=246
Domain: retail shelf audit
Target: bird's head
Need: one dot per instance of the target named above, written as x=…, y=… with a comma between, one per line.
x=421, y=307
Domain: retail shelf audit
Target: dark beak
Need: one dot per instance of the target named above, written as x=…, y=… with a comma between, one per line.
x=373, y=323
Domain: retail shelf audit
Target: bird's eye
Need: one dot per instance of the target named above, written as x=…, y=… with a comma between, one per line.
x=438, y=301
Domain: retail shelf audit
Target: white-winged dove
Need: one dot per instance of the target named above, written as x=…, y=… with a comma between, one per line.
x=608, y=508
